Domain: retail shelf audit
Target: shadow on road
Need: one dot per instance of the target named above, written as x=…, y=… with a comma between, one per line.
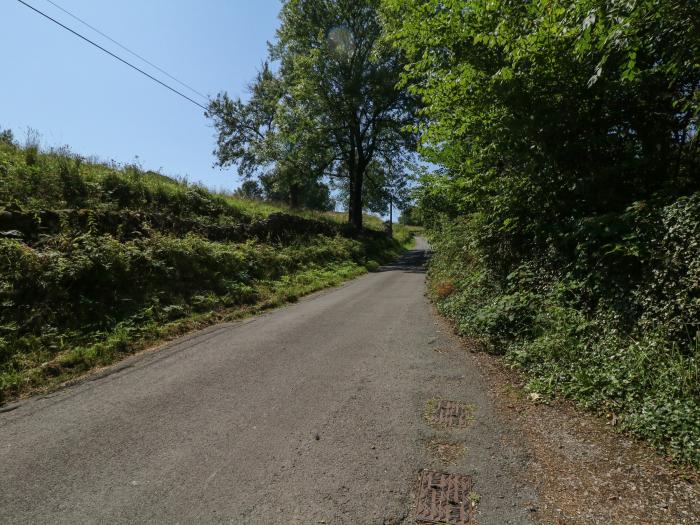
x=413, y=261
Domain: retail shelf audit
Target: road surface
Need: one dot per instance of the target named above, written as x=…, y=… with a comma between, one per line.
x=311, y=413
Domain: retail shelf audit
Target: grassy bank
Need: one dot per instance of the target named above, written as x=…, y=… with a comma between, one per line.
x=98, y=261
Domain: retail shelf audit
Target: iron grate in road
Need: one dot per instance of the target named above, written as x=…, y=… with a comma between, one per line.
x=451, y=414
x=444, y=498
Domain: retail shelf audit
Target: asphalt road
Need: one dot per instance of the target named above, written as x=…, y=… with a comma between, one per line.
x=312, y=413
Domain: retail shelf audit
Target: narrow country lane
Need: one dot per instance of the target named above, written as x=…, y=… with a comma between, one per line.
x=312, y=413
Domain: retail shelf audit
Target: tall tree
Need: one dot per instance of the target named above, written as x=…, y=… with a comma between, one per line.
x=297, y=191
x=333, y=106
x=263, y=139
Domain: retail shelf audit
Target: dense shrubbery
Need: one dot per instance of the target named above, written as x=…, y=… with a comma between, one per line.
x=566, y=215
x=75, y=290
x=635, y=358
x=73, y=297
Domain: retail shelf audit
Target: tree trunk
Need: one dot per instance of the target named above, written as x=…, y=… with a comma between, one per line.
x=356, y=173
x=355, y=207
x=294, y=191
x=391, y=216
x=351, y=198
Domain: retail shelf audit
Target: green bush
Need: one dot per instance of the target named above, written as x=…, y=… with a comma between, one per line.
x=372, y=266
x=403, y=235
x=7, y=137
x=634, y=358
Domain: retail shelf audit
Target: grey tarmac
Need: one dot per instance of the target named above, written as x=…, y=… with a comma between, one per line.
x=311, y=413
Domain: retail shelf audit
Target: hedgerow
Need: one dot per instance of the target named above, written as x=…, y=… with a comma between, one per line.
x=633, y=354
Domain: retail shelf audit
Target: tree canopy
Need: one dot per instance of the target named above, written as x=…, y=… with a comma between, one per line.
x=544, y=113
x=330, y=109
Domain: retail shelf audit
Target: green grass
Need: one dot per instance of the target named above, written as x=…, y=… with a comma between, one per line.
x=141, y=259
x=132, y=336
x=405, y=235
x=34, y=180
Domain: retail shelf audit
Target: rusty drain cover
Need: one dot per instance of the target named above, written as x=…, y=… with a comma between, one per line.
x=444, y=498
x=452, y=414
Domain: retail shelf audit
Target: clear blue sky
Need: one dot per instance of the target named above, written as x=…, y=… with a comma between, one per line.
x=75, y=95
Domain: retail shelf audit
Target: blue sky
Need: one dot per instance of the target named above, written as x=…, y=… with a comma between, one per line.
x=73, y=94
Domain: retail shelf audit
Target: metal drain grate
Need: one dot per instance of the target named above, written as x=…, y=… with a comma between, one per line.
x=444, y=498
x=451, y=414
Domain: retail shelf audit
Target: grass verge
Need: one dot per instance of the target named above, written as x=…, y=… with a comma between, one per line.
x=127, y=338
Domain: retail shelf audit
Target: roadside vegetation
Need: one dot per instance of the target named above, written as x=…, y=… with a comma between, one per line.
x=562, y=202
x=99, y=260
x=565, y=209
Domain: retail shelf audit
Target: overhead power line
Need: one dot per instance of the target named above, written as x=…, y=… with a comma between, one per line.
x=133, y=53
x=113, y=55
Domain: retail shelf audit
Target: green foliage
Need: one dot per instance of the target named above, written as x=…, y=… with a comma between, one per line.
x=7, y=137
x=403, y=235
x=564, y=213
x=250, y=189
x=81, y=292
x=372, y=266
x=387, y=188
x=642, y=371
x=59, y=180
x=411, y=216
x=306, y=192
x=75, y=190
x=330, y=110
